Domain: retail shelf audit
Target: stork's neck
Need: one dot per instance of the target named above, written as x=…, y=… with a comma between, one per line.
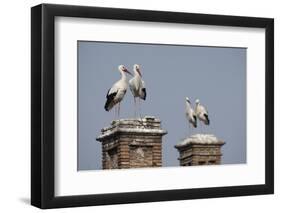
x=123, y=76
x=188, y=104
x=136, y=73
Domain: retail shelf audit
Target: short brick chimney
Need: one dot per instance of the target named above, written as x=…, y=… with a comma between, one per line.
x=132, y=143
x=200, y=149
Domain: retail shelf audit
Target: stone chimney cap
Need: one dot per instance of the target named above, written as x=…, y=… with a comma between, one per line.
x=200, y=139
x=145, y=125
x=134, y=120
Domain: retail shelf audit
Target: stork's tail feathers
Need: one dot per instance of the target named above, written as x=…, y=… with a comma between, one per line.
x=195, y=122
x=207, y=122
x=106, y=106
x=143, y=95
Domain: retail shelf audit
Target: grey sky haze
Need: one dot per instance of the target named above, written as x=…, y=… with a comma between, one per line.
x=216, y=76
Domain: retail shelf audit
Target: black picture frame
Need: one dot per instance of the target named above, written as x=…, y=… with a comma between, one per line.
x=43, y=110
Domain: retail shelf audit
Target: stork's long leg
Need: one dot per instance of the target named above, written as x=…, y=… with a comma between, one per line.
x=135, y=112
x=119, y=109
x=203, y=128
x=139, y=106
x=115, y=112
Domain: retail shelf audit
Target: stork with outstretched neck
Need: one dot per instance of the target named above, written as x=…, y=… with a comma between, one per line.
x=190, y=113
x=117, y=92
x=137, y=86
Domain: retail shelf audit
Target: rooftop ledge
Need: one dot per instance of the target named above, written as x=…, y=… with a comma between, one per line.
x=200, y=139
x=146, y=125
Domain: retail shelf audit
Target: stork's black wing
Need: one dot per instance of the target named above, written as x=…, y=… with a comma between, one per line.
x=109, y=98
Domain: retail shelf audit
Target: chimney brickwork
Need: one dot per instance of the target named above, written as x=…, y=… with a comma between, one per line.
x=132, y=143
x=200, y=149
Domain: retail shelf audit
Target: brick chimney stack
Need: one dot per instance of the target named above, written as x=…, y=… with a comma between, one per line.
x=200, y=149
x=132, y=143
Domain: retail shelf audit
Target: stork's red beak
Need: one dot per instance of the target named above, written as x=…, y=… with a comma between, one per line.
x=127, y=71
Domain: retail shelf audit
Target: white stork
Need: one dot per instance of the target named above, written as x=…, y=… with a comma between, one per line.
x=190, y=114
x=137, y=85
x=201, y=113
x=116, y=93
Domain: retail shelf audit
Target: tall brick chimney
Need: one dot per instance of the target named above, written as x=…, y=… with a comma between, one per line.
x=132, y=143
x=200, y=149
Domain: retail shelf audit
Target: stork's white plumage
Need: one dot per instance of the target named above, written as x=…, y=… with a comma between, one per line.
x=202, y=113
x=137, y=85
x=190, y=113
x=117, y=92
